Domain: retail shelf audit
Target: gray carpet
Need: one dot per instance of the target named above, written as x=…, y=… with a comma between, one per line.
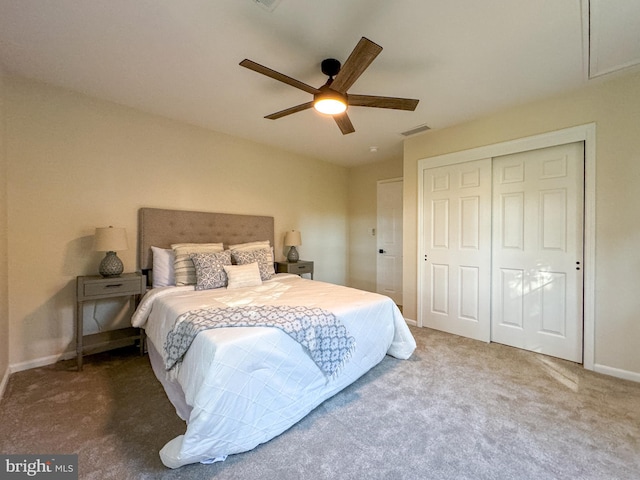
x=458, y=409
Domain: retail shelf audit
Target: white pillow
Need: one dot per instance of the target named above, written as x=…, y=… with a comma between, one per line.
x=163, y=274
x=250, y=245
x=243, y=275
x=185, y=271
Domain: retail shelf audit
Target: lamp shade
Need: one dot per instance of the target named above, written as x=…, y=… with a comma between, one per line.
x=109, y=239
x=292, y=239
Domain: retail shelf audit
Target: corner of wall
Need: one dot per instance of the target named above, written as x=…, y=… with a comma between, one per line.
x=4, y=280
x=4, y=382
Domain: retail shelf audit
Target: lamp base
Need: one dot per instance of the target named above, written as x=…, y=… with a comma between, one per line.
x=111, y=265
x=292, y=256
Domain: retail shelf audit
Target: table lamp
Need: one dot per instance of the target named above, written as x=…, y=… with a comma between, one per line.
x=292, y=239
x=110, y=240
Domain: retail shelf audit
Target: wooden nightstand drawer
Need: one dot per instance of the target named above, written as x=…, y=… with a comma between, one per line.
x=298, y=268
x=92, y=288
x=114, y=286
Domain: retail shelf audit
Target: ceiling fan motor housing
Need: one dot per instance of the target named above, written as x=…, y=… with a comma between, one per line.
x=330, y=67
x=328, y=100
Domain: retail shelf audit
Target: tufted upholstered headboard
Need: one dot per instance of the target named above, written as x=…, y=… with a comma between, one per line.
x=160, y=228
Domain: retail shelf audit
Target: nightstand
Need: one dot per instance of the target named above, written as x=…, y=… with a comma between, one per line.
x=96, y=287
x=299, y=268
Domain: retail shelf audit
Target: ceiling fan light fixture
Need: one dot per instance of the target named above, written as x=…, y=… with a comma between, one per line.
x=332, y=98
x=330, y=102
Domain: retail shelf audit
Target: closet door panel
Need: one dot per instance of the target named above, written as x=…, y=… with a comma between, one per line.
x=455, y=267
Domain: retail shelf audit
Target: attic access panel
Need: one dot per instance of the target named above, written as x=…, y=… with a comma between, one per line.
x=614, y=35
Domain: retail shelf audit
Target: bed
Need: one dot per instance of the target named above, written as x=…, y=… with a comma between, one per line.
x=240, y=386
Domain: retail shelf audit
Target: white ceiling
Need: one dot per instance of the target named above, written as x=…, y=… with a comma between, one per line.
x=179, y=59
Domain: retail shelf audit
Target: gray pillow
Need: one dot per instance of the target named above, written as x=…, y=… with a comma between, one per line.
x=210, y=271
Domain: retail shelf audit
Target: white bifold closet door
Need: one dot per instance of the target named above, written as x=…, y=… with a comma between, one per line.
x=502, y=242
x=537, y=273
x=457, y=259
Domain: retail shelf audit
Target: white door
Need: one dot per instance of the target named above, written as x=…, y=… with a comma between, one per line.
x=456, y=254
x=537, y=272
x=389, y=239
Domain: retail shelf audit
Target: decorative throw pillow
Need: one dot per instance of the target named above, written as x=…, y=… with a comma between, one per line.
x=262, y=257
x=185, y=271
x=163, y=274
x=210, y=269
x=247, y=275
x=254, y=246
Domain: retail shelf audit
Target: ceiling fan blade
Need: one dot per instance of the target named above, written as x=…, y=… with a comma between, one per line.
x=289, y=111
x=383, y=102
x=256, y=67
x=361, y=57
x=344, y=123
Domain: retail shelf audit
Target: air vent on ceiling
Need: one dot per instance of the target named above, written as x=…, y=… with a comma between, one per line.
x=269, y=5
x=418, y=129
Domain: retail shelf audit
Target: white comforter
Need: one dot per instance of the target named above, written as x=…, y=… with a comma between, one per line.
x=245, y=385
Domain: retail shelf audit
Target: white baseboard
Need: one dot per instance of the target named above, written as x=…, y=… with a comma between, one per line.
x=617, y=372
x=40, y=362
x=413, y=323
x=4, y=382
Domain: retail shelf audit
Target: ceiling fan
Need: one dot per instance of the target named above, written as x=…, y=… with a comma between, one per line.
x=332, y=98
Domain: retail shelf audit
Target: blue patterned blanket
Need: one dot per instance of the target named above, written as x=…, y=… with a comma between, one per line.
x=323, y=336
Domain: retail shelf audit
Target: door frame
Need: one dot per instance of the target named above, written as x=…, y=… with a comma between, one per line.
x=582, y=133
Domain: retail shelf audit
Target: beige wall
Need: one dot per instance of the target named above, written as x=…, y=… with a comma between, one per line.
x=614, y=105
x=74, y=163
x=4, y=303
x=363, y=182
